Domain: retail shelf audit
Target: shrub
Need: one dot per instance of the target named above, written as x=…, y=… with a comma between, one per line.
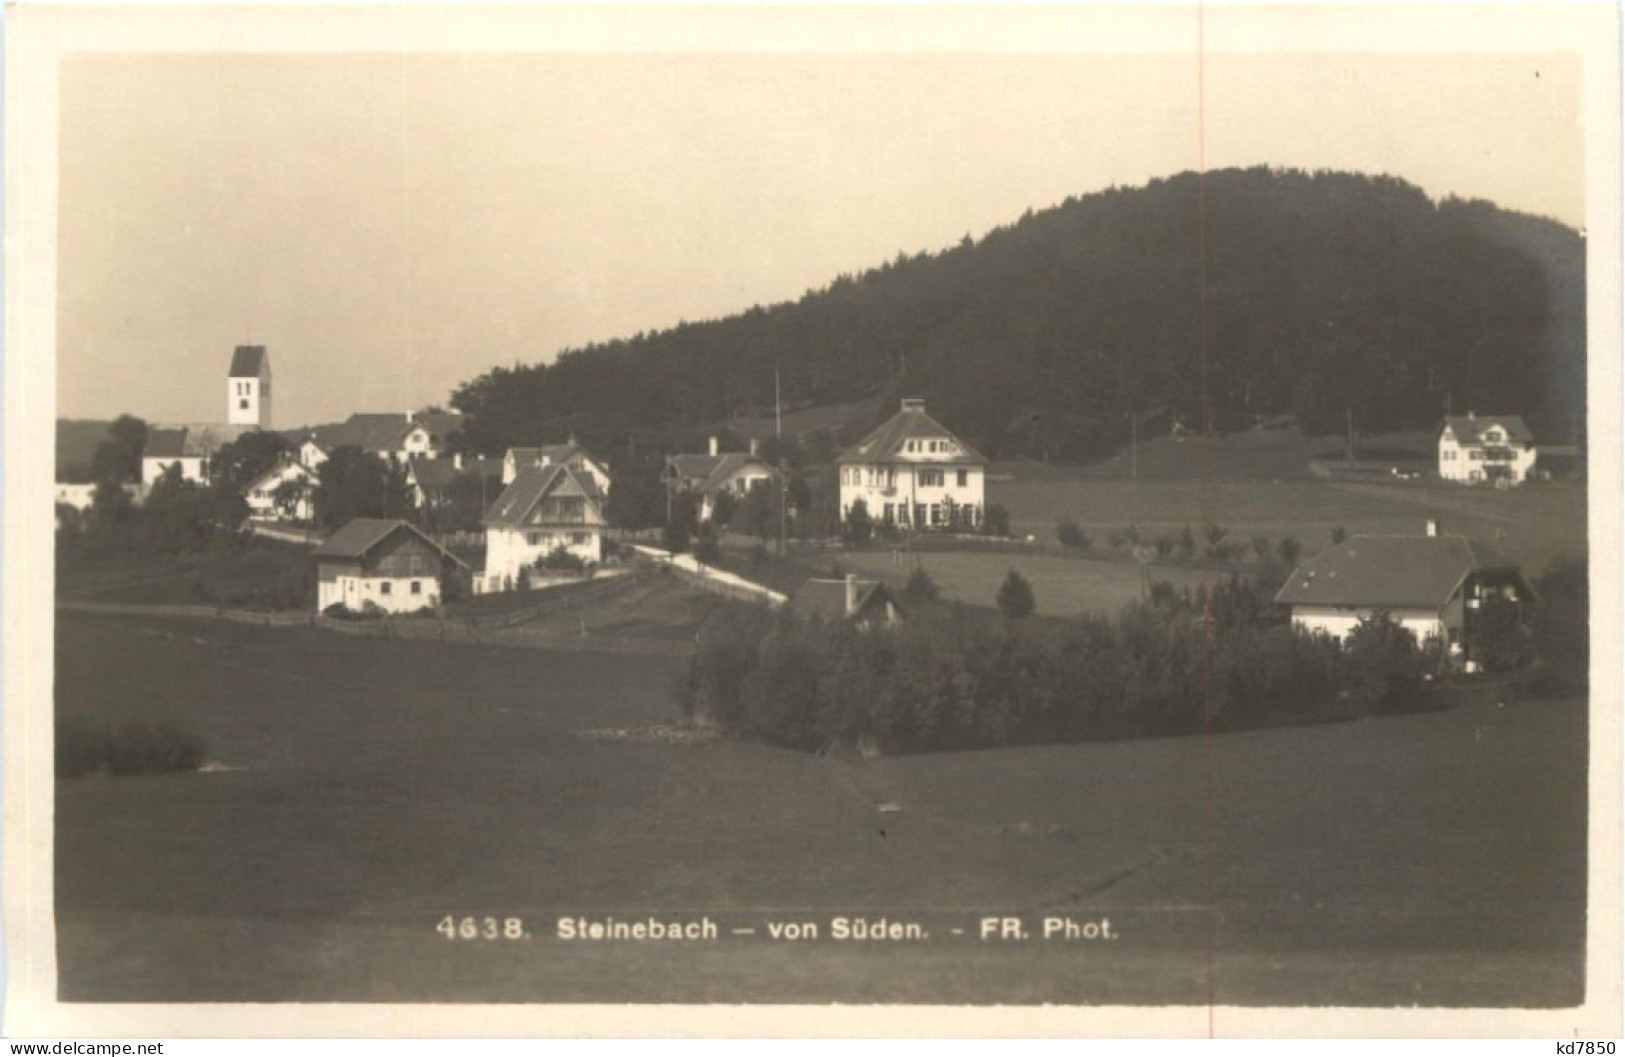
x=1186, y=543
x=559, y=559
x=707, y=551
x=858, y=527
x=1339, y=534
x=675, y=536
x=337, y=609
x=523, y=583
x=1388, y=669
x=921, y=588
x=996, y=520
x=1015, y=597
x=85, y=748
x=1164, y=546
x=1068, y=534
x=1561, y=629
x=1261, y=547
x=1289, y=549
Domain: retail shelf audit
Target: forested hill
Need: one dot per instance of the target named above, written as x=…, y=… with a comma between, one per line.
x=1325, y=293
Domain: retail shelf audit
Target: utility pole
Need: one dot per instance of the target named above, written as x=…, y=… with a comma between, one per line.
x=778, y=418
x=1134, y=444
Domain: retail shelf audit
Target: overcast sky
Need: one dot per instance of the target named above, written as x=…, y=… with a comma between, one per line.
x=392, y=226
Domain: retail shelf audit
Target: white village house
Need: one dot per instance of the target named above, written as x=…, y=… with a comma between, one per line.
x=714, y=473
x=912, y=472
x=544, y=509
x=1432, y=585
x=398, y=437
x=383, y=563
x=1498, y=449
x=261, y=494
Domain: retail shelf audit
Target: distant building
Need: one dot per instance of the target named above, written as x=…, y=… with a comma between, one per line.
x=865, y=603
x=399, y=437
x=261, y=493
x=714, y=473
x=571, y=454
x=913, y=473
x=189, y=447
x=431, y=480
x=544, y=509
x=81, y=496
x=386, y=563
x=1433, y=585
x=248, y=387
x=1498, y=449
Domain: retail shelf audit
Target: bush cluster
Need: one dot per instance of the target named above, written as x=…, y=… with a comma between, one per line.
x=84, y=747
x=952, y=677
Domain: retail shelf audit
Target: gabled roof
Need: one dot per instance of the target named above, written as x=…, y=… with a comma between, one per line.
x=1469, y=429
x=441, y=424
x=516, y=506
x=280, y=470
x=439, y=473
x=191, y=441
x=1421, y=572
x=910, y=423
x=247, y=360
x=709, y=471
x=356, y=537
x=826, y=599
x=370, y=431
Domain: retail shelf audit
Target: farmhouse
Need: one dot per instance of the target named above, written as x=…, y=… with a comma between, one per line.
x=913, y=473
x=1434, y=585
x=398, y=437
x=546, y=509
x=282, y=493
x=379, y=562
x=1498, y=449
x=570, y=454
x=865, y=603
x=714, y=473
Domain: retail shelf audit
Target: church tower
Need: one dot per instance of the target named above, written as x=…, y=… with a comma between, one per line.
x=248, y=387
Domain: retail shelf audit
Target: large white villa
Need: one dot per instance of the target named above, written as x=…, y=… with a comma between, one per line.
x=912, y=472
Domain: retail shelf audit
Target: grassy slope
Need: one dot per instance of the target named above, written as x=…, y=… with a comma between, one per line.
x=236, y=575
x=1431, y=859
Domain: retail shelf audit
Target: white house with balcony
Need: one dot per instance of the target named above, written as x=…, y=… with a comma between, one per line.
x=1494, y=449
x=914, y=474
x=545, y=509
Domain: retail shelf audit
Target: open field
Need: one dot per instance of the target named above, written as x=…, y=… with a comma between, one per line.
x=1263, y=454
x=256, y=574
x=1534, y=524
x=364, y=788
x=1062, y=587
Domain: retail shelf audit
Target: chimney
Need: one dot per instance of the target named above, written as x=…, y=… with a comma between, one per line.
x=913, y=403
x=457, y=461
x=410, y=412
x=1433, y=527
x=851, y=593
x=713, y=444
x=753, y=445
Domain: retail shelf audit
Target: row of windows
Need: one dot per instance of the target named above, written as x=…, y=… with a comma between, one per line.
x=386, y=587
x=923, y=514
x=577, y=539
x=930, y=447
x=886, y=477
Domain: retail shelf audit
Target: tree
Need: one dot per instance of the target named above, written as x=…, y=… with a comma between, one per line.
x=238, y=464
x=1067, y=533
x=723, y=505
x=996, y=520
x=859, y=529
x=921, y=588
x=637, y=496
x=1015, y=597
x=707, y=551
x=675, y=536
x=290, y=496
x=111, y=508
x=118, y=458
x=1339, y=534
x=1289, y=549
x=352, y=484
x=1562, y=629
x=1501, y=641
x=756, y=515
x=1388, y=669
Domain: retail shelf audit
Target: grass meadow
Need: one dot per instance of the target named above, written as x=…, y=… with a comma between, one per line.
x=359, y=789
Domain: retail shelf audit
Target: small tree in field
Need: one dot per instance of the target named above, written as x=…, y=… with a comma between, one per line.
x=707, y=551
x=1388, y=670
x=996, y=520
x=1068, y=534
x=1015, y=597
x=920, y=588
x=859, y=529
x=1289, y=549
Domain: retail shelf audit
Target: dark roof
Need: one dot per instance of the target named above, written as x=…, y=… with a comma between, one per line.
x=826, y=599
x=191, y=441
x=441, y=424
x=1469, y=428
x=165, y=443
x=911, y=422
x=514, y=507
x=246, y=361
x=370, y=431
x=359, y=535
x=708, y=471
x=1391, y=571
x=439, y=473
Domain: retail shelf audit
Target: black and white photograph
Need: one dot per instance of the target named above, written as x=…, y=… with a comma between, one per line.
x=1076, y=508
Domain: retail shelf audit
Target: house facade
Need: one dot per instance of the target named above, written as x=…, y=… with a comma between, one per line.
x=912, y=473
x=380, y=563
x=710, y=475
x=261, y=493
x=1493, y=449
x=398, y=437
x=543, y=510
x=189, y=447
x=1434, y=585
x=433, y=482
